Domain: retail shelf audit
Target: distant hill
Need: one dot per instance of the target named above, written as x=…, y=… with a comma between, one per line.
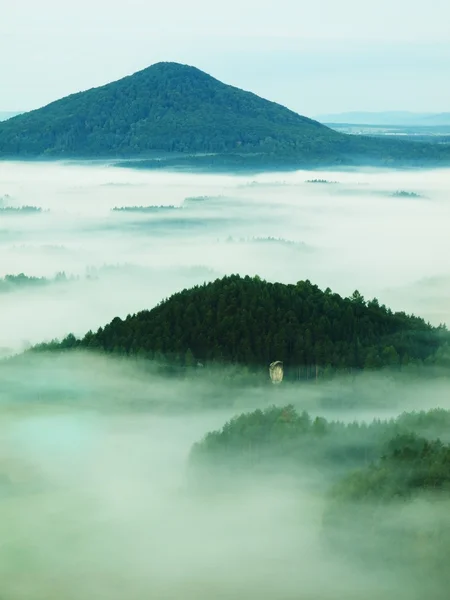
x=437, y=120
x=168, y=107
x=175, y=108
x=403, y=118
x=253, y=322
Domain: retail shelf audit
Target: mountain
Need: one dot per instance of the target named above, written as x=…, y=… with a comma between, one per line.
x=253, y=322
x=403, y=118
x=166, y=107
x=173, y=108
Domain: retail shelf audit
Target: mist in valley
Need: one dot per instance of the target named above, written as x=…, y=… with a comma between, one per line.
x=96, y=499
x=348, y=235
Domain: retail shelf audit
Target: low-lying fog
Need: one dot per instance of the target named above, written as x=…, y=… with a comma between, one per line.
x=353, y=234
x=100, y=506
x=103, y=513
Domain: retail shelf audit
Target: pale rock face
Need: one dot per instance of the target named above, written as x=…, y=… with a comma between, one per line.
x=276, y=371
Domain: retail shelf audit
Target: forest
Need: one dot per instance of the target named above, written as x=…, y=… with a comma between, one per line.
x=279, y=437
x=195, y=121
x=10, y=283
x=251, y=322
x=386, y=483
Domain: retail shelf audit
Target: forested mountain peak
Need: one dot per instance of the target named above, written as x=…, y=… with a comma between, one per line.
x=250, y=321
x=175, y=108
x=166, y=107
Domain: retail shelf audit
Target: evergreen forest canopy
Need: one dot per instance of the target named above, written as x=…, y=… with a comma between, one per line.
x=251, y=322
x=13, y=282
x=386, y=484
x=279, y=437
x=174, y=108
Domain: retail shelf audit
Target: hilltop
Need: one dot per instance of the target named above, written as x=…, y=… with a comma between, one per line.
x=169, y=107
x=174, y=108
x=252, y=322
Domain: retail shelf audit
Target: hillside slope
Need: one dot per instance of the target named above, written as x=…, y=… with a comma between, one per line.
x=175, y=108
x=168, y=107
x=253, y=322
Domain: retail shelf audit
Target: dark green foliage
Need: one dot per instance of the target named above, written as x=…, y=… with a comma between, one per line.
x=12, y=282
x=410, y=464
x=395, y=512
x=252, y=322
x=391, y=512
x=169, y=107
x=282, y=439
x=173, y=108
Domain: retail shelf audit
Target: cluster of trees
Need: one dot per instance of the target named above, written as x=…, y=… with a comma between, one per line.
x=286, y=439
x=249, y=321
x=410, y=464
x=395, y=511
x=403, y=194
x=320, y=181
x=144, y=209
x=175, y=108
x=386, y=484
x=11, y=282
x=20, y=209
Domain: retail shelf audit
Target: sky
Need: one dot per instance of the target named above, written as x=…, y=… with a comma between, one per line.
x=315, y=58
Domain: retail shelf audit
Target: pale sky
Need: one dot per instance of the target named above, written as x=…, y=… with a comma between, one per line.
x=314, y=57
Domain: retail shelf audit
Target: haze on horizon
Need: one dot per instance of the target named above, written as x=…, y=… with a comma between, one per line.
x=314, y=58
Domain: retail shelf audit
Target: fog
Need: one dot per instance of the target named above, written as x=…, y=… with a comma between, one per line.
x=109, y=517
x=96, y=501
x=349, y=235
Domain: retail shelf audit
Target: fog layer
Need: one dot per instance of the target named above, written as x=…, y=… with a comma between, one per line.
x=97, y=501
x=95, y=497
x=351, y=234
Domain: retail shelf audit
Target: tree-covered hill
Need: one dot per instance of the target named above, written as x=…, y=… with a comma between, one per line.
x=168, y=107
x=280, y=438
x=410, y=464
x=252, y=322
x=175, y=108
x=395, y=511
x=385, y=485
